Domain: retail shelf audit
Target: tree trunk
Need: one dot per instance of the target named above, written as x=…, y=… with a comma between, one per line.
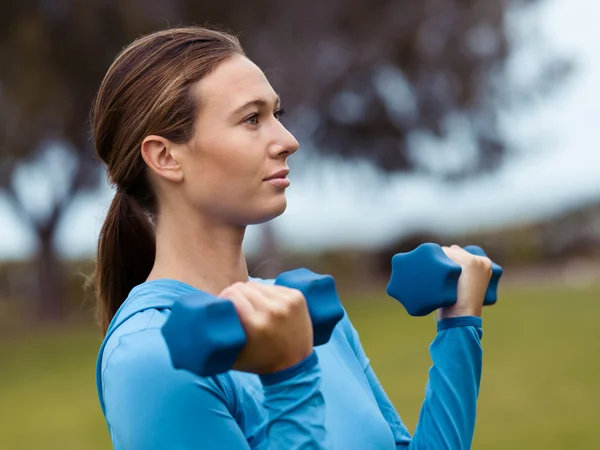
x=50, y=281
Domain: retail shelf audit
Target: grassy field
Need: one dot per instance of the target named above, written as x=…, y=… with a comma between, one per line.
x=540, y=387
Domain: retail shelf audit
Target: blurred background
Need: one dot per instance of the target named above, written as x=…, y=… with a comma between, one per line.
x=448, y=121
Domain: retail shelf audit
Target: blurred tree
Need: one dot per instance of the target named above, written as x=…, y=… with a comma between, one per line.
x=371, y=79
x=55, y=54
x=366, y=79
x=393, y=83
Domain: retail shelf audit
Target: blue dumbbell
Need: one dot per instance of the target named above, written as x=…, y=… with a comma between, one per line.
x=204, y=334
x=425, y=279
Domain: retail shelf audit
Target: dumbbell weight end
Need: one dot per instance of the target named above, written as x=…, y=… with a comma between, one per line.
x=204, y=340
x=424, y=279
x=321, y=297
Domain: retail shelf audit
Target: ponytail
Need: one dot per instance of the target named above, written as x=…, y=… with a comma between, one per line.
x=126, y=252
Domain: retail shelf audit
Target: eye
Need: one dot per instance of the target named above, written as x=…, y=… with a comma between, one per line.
x=253, y=119
x=279, y=113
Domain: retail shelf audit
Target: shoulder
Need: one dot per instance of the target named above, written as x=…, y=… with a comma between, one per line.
x=147, y=403
x=139, y=320
x=140, y=333
x=136, y=366
x=137, y=339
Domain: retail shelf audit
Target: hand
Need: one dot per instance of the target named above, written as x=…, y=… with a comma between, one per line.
x=277, y=325
x=472, y=283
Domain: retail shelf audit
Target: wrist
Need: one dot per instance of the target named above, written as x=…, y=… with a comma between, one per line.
x=306, y=364
x=452, y=312
x=459, y=322
x=289, y=361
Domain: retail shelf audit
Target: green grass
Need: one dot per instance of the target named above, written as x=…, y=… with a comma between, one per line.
x=541, y=373
x=540, y=387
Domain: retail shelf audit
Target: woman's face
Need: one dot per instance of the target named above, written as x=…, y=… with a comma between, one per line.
x=238, y=143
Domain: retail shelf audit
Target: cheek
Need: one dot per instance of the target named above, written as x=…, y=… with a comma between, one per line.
x=228, y=174
x=236, y=153
x=237, y=171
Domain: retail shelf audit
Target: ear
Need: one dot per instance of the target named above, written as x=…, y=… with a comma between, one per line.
x=160, y=157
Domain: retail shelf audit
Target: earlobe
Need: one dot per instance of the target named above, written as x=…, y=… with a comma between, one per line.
x=159, y=156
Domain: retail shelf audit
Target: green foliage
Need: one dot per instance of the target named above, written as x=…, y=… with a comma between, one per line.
x=540, y=388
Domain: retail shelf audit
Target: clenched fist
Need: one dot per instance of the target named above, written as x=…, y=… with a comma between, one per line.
x=277, y=324
x=472, y=283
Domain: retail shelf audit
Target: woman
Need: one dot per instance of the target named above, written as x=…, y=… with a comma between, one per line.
x=188, y=129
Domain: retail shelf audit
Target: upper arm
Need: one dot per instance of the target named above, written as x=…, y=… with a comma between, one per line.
x=401, y=433
x=447, y=417
x=150, y=405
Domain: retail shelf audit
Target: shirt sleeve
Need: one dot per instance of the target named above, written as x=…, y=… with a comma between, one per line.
x=447, y=416
x=152, y=406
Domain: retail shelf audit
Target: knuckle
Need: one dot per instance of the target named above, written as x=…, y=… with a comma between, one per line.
x=471, y=260
x=226, y=292
x=280, y=310
x=260, y=323
x=296, y=298
x=267, y=288
x=235, y=287
x=482, y=263
x=487, y=265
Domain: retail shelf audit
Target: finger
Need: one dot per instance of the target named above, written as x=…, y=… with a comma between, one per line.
x=243, y=306
x=274, y=292
x=451, y=253
x=458, y=255
x=465, y=259
x=259, y=300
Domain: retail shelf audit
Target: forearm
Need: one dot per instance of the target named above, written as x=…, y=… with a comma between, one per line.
x=296, y=408
x=447, y=418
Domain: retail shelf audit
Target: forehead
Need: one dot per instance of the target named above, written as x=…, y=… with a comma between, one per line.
x=234, y=82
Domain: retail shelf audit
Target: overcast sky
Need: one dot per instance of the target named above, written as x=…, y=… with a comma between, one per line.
x=558, y=166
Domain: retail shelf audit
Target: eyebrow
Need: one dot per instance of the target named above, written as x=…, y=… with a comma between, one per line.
x=259, y=102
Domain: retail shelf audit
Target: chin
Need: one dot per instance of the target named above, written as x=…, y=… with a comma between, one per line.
x=270, y=212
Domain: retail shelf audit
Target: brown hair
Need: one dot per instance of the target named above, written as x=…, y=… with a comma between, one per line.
x=145, y=91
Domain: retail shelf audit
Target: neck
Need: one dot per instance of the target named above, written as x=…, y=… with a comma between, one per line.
x=203, y=254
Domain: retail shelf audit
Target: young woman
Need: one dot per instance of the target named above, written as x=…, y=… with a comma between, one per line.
x=189, y=130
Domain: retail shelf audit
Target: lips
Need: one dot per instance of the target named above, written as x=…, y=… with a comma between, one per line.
x=279, y=179
x=280, y=174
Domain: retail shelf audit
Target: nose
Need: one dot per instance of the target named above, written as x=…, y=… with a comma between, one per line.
x=284, y=143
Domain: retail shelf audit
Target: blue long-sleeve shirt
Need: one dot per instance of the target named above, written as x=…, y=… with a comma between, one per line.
x=330, y=401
